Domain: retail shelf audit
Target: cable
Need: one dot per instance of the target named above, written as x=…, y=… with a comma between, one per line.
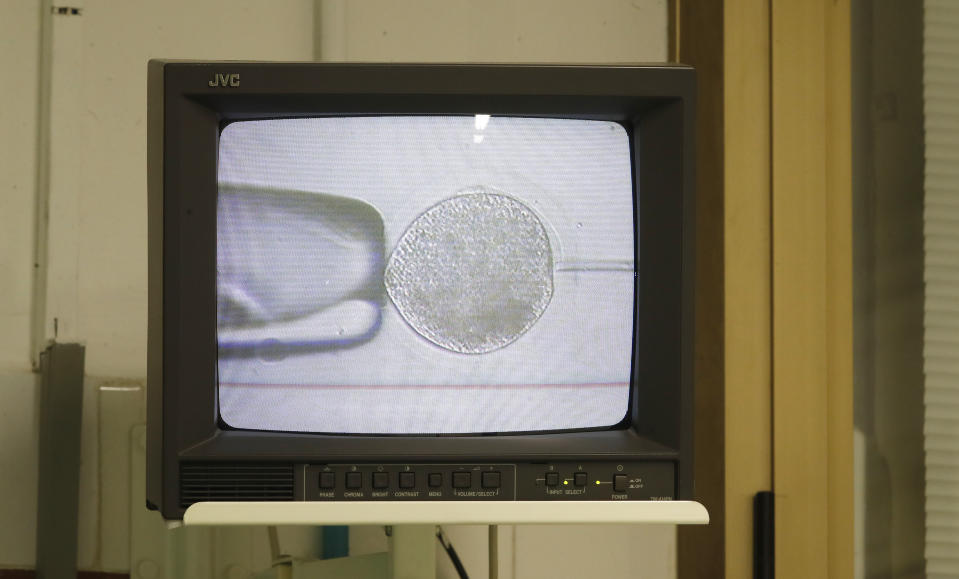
x=282, y=564
x=493, y=552
x=454, y=558
x=274, y=542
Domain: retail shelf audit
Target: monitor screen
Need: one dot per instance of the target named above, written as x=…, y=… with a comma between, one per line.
x=424, y=274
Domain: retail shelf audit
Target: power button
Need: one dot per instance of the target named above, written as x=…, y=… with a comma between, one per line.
x=619, y=483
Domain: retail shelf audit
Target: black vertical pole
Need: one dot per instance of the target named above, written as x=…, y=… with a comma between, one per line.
x=764, y=536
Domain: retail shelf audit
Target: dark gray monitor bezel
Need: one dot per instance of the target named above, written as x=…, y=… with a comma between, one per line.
x=656, y=102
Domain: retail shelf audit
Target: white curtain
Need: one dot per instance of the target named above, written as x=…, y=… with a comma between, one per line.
x=941, y=348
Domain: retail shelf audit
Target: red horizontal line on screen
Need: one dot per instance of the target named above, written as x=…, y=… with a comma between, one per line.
x=432, y=386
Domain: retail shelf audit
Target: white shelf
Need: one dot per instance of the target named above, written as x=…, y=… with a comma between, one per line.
x=445, y=513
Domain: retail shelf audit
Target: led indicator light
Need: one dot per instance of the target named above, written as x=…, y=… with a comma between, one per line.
x=565, y=482
x=597, y=482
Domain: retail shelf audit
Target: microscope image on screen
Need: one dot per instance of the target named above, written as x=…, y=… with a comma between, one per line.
x=453, y=273
x=296, y=270
x=302, y=271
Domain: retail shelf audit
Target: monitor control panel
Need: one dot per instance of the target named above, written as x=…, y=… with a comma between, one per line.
x=648, y=480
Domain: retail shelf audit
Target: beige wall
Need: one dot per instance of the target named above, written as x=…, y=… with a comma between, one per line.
x=19, y=39
x=494, y=31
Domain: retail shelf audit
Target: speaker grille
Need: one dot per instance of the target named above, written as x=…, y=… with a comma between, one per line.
x=215, y=481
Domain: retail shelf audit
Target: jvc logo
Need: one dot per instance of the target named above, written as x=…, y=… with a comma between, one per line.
x=225, y=80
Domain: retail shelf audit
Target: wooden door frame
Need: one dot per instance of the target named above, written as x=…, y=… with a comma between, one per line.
x=774, y=395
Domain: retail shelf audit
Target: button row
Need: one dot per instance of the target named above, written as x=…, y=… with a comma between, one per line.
x=407, y=480
x=552, y=479
x=579, y=479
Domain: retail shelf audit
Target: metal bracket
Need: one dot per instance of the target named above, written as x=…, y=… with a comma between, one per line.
x=58, y=495
x=66, y=10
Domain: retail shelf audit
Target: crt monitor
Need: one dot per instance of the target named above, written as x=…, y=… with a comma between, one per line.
x=419, y=282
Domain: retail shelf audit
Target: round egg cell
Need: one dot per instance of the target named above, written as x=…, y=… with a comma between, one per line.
x=473, y=273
